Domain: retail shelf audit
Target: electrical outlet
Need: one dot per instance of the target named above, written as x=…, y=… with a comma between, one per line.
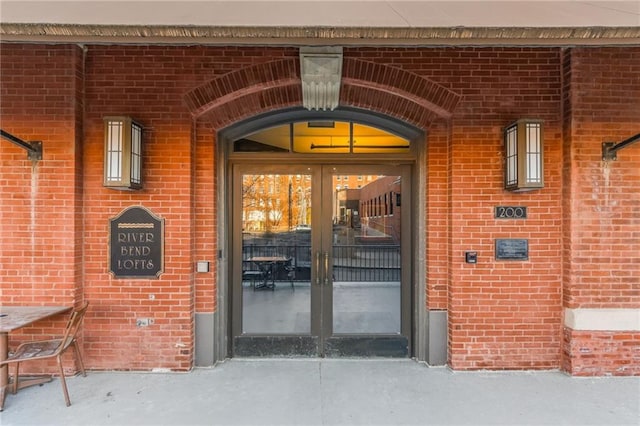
x=144, y=322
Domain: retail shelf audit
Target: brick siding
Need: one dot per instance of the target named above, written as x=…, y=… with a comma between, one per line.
x=582, y=227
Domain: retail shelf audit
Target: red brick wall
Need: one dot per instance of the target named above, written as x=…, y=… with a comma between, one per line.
x=601, y=199
x=117, y=85
x=40, y=203
x=150, y=83
x=501, y=314
x=438, y=233
x=603, y=261
x=598, y=353
x=205, y=221
x=504, y=314
x=50, y=93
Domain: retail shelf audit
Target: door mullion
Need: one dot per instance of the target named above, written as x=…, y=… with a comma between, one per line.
x=317, y=313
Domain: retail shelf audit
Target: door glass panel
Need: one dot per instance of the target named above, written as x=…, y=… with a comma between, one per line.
x=276, y=254
x=273, y=139
x=369, y=140
x=366, y=254
x=323, y=137
x=331, y=137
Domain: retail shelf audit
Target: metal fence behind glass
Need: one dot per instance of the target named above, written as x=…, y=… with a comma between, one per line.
x=350, y=262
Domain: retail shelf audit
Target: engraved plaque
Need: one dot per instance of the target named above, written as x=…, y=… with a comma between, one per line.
x=512, y=249
x=136, y=244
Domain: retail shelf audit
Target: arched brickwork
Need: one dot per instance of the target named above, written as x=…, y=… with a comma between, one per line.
x=365, y=85
x=394, y=92
x=247, y=91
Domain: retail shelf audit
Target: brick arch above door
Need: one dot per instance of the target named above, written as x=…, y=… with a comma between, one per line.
x=365, y=85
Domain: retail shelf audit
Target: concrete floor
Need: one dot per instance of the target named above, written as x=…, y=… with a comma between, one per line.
x=329, y=392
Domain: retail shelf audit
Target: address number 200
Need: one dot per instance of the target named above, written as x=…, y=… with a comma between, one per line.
x=511, y=212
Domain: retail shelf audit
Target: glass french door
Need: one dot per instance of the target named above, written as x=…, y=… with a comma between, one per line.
x=320, y=260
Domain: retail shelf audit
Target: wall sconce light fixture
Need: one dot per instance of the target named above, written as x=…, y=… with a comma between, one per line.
x=610, y=149
x=34, y=148
x=523, y=145
x=122, y=153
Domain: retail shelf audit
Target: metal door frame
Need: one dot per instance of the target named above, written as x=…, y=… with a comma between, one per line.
x=389, y=345
x=274, y=344
x=321, y=341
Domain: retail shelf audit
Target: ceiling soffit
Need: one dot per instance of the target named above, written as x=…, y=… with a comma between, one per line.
x=318, y=36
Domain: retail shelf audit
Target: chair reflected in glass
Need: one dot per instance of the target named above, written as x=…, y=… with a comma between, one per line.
x=52, y=348
x=267, y=270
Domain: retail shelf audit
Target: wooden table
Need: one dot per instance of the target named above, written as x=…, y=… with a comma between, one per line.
x=13, y=318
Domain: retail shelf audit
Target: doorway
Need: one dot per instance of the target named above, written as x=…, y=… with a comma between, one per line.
x=321, y=262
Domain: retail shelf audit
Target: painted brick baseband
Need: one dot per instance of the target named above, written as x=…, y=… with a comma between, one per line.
x=582, y=227
x=598, y=353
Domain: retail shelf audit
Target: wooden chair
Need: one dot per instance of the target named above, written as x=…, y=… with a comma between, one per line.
x=45, y=349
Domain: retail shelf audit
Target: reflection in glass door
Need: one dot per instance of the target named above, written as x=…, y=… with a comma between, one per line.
x=366, y=254
x=276, y=254
x=318, y=261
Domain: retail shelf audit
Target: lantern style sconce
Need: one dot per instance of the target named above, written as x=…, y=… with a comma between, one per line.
x=523, y=145
x=122, y=153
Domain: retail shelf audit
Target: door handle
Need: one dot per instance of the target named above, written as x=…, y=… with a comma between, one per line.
x=326, y=268
x=318, y=255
